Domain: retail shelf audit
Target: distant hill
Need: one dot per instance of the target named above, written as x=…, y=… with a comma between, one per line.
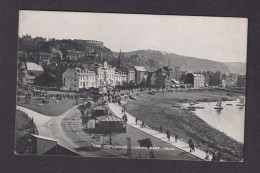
x=150, y=59
x=236, y=67
x=160, y=59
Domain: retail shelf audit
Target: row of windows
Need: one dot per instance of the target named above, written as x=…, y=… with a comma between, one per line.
x=87, y=77
x=83, y=84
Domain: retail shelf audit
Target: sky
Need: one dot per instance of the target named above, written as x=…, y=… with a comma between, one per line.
x=221, y=39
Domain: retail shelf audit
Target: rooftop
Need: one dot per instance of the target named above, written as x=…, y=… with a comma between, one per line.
x=140, y=68
x=31, y=66
x=108, y=118
x=46, y=138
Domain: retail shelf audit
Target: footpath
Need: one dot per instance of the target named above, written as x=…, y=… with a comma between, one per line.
x=117, y=111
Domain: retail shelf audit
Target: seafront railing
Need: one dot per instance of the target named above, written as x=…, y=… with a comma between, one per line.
x=30, y=121
x=197, y=145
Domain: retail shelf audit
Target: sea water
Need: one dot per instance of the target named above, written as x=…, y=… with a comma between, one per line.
x=230, y=120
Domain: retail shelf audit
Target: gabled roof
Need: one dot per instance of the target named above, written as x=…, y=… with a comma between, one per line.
x=109, y=118
x=30, y=77
x=175, y=81
x=140, y=68
x=198, y=74
x=43, y=137
x=31, y=66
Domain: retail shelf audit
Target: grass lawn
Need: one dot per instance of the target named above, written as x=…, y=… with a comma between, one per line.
x=156, y=110
x=52, y=108
x=21, y=120
x=22, y=128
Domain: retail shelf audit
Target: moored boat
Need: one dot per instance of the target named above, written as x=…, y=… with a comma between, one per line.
x=191, y=103
x=200, y=107
x=177, y=106
x=218, y=105
x=131, y=97
x=241, y=101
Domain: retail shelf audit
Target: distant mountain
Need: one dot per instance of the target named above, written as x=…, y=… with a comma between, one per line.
x=236, y=67
x=160, y=59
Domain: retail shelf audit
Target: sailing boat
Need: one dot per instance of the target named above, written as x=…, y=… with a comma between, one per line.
x=241, y=101
x=218, y=105
x=191, y=106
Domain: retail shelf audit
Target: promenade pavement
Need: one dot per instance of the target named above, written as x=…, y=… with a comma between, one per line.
x=39, y=119
x=117, y=110
x=68, y=130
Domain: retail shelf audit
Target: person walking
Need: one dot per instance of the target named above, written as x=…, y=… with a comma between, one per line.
x=218, y=156
x=136, y=120
x=176, y=138
x=207, y=155
x=190, y=144
x=214, y=157
x=124, y=118
x=168, y=135
x=193, y=146
x=160, y=129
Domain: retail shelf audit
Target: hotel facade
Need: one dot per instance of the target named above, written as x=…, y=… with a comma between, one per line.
x=103, y=75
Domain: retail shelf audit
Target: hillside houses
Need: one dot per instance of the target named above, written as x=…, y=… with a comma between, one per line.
x=27, y=71
x=77, y=64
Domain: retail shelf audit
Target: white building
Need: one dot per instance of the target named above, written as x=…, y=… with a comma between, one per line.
x=34, y=69
x=102, y=75
x=70, y=79
x=87, y=78
x=199, y=80
x=120, y=78
x=223, y=83
x=105, y=75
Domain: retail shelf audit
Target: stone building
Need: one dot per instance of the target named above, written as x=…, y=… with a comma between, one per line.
x=241, y=81
x=78, y=78
x=197, y=80
x=27, y=72
x=105, y=74
x=140, y=74
x=231, y=80
x=176, y=73
x=75, y=55
x=120, y=77
x=131, y=75
x=34, y=69
x=45, y=59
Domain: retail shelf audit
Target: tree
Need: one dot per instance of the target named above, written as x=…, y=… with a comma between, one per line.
x=145, y=142
x=241, y=81
x=45, y=79
x=83, y=108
